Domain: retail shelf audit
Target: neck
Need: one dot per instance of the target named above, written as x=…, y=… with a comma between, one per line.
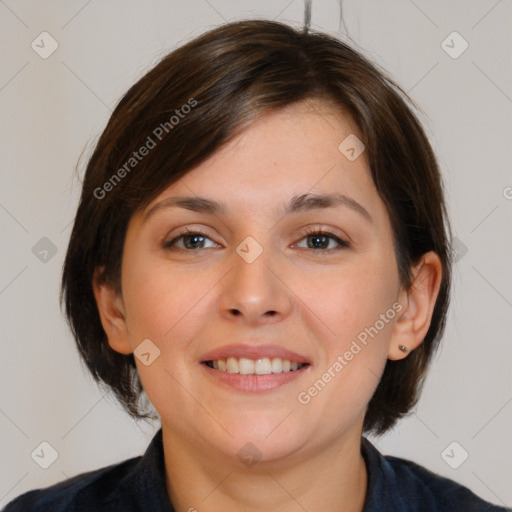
x=332, y=479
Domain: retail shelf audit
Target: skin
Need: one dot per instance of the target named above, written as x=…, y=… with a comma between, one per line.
x=314, y=301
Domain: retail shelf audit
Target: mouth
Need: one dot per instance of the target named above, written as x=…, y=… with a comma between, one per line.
x=260, y=366
x=253, y=367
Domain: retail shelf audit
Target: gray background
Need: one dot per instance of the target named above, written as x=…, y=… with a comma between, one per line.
x=53, y=108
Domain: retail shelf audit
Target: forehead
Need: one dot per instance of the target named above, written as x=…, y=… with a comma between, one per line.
x=283, y=154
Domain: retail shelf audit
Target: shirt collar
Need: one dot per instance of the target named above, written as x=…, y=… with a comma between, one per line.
x=384, y=492
x=146, y=483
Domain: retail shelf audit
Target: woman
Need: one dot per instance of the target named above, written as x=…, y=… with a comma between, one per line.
x=262, y=248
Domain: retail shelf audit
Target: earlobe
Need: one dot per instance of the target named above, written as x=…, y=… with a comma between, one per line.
x=112, y=315
x=413, y=322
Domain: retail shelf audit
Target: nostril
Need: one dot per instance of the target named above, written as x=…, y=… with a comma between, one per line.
x=237, y=312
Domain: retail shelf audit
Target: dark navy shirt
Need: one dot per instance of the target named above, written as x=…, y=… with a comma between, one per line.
x=138, y=484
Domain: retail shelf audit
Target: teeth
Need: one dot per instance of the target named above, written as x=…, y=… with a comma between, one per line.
x=277, y=365
x=232, y=365
x=246, y=366
x=263, y=366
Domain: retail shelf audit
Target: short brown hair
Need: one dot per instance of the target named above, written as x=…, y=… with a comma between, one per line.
x=228, y=77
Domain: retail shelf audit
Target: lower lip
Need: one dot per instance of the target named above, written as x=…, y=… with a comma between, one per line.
x=255, y=383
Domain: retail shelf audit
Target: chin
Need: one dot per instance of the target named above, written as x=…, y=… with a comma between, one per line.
x=266, y=437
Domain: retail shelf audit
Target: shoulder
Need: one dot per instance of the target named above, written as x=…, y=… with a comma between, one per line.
x=132, y=485
x=84, y=492
x=402, y=485
x=442, y=492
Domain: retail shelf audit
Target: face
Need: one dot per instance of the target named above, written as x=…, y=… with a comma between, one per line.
x=266, y=277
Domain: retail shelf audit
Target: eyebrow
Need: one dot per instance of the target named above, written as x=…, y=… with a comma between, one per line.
x=298, y=203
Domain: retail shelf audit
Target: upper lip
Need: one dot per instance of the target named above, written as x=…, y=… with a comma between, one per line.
x=252, y=351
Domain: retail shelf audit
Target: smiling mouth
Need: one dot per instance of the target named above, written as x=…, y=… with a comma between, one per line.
x=261, y=366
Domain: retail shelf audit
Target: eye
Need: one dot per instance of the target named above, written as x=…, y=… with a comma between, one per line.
x=320, y=239
x=189, y=240
x=316, y=239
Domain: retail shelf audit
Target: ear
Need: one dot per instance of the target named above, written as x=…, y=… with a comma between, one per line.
x=112, y=314
x=417, y=303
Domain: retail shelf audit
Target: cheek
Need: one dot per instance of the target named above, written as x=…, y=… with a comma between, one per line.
x=168, y=308
x=161, y=303
x=358, y=308
x=351, y=301
x=354, y=353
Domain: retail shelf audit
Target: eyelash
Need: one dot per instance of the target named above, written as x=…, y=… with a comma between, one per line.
x=343, y=244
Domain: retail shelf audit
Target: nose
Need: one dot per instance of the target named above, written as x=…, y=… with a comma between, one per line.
x=254, y=292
